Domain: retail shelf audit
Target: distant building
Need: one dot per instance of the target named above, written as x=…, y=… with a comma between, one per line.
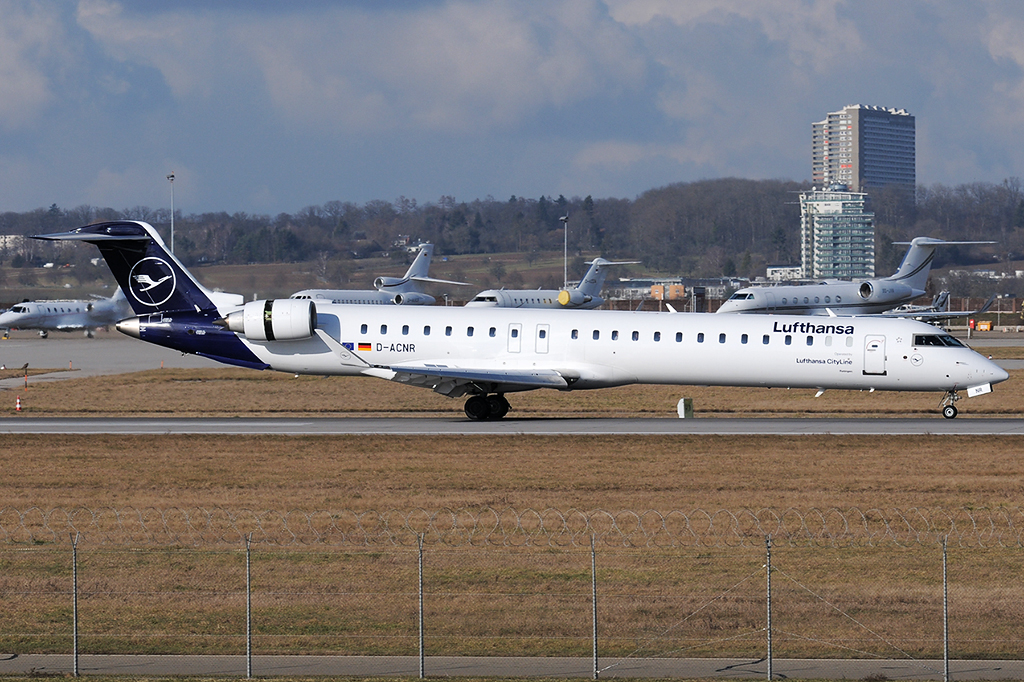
x=864, y=148
x=783, y=273
x=837, y=235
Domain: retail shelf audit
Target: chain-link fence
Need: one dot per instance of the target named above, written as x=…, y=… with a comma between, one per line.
x=489, y=583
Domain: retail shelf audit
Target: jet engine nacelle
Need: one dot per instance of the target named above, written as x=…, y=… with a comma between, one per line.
x=284, y=319
x=882, y=290
x=571, y=298
x=382, y=282
x=413, y=298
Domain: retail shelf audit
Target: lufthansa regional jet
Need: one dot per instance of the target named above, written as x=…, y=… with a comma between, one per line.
x=584, y=296
x=868, y=297
x=406, y=290
x=487, y=353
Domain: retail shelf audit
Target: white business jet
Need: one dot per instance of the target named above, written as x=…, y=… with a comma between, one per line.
x=584, y=296
x=66, y=315
x=406, y=290
x=487, y=353
x=867, y=297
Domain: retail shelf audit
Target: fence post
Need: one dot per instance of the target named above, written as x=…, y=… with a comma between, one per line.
x=768, y=566
x=593, y=598
x=74, y=600
x=945, y=615
x=423, y=672
x=248, y=606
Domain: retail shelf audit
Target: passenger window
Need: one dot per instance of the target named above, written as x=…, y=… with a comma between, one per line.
x=700, y=337
x=817, y=300
x=515, y=333
x=839, y=299
x=743, y=338
x=810, y=340
x=828, y=340
x=383, y=329
x=849, y=342
x=492, y=331
x=615, y=335
x=636, y=336
x=657, y=336
x=679, y=337
x=362, y=329
x=806, y=300
x=597, y=335
x=469, y=331
x=542, y=333
x=789, y=340
x=575, y=334
x=426, y=330
x=721, y=338
x=783, y=300
x=447, y=331
x=828, y=299
x=764, y=339
x=405, y=330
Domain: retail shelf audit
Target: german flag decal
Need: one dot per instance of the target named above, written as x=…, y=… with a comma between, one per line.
x=365, y=346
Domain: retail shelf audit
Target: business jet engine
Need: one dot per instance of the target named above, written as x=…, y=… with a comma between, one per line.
x=284, y=319
x=572, y=298
x=413, y=298
x=381, y=282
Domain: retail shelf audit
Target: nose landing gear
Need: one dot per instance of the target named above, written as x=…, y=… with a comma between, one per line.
x=481, y=407
x=948, y=405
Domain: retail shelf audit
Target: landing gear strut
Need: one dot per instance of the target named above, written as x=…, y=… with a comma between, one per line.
x=481, y=407
x=948, y=406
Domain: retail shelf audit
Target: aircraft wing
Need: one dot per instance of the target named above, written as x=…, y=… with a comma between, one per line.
x=937, y=315
x=455, y=382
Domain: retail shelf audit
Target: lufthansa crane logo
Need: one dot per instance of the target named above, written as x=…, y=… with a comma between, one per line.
x=151, y=281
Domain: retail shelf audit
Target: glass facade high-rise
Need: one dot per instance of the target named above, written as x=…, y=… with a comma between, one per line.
x=837, y=234
x=864, y=148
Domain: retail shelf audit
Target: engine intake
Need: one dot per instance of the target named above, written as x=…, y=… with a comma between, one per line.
x=573, y=297
x=413, y=298
x=286, y=319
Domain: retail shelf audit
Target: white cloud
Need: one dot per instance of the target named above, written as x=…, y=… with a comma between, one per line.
x=31, y=40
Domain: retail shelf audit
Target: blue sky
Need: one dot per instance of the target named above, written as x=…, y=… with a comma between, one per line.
x=268, y=107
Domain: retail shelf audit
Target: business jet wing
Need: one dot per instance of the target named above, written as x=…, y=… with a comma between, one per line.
x=937, y=315
x=455, y=381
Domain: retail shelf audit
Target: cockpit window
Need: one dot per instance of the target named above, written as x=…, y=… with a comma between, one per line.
x=741, y=296
x=937, y=340
x=18, y=309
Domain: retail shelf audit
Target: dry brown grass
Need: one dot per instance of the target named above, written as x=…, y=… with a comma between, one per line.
x=240, y=392
x=533, y=601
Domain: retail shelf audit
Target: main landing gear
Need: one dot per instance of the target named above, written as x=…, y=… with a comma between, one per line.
x=481, y=407
x=948, y=405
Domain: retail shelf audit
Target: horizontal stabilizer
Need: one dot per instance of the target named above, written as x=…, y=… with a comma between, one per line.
x=439, y=281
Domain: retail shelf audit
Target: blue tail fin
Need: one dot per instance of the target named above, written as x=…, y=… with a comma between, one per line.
x=151, y=277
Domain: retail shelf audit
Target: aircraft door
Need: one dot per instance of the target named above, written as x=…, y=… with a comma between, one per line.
x=874, y=355
x=515, y=337
x=543, y=331
x=769, y=298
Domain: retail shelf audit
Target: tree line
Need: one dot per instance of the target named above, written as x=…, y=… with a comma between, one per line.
x=707, y=228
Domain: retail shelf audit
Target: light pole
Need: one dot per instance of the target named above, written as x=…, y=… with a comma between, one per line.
x=565, y=251
x=171, y=178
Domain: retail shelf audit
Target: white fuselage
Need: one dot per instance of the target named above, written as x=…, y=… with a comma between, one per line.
x=64, y=315
x=595, y=349
x=527, y=298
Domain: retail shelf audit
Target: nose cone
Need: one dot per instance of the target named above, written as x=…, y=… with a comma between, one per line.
x=998, y=373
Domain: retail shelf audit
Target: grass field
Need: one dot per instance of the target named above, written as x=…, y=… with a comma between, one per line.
x=511, y=600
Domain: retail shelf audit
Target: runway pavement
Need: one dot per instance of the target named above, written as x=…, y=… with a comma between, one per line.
x=497, y=666
x=538, y=427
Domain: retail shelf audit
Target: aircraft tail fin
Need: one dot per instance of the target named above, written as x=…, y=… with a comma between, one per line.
x=421, y=264
x=592, y=282
x=152, y=279
x=917, y=262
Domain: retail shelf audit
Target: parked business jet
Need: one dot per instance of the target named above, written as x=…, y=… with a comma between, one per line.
x=406, y=290
x=585, y=296
x=66, y=316
x=490, y=352
x=865, y=297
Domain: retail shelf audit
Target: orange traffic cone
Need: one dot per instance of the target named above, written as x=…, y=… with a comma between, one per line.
x=17, y=404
